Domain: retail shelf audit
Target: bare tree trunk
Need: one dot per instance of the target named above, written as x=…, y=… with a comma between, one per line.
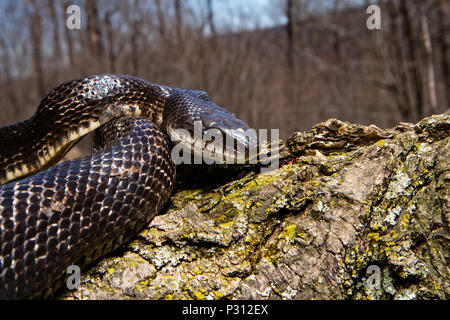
x=178, y=20
x=212, y=26
x=36, y=32
x=291, y=73
x=112, y=55
x=9, y=80
x=161, y=19
x=407, y=53
x=444, y=44
x=94, y=42
x=403, y=90
x=70, y=47
x=337, y=34
x=290, y=33
x=134, y=38
x=428, y=59
x=52, y=7
x=414, y=59
x=69, y=40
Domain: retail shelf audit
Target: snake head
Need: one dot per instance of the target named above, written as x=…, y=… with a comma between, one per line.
x=207, y=132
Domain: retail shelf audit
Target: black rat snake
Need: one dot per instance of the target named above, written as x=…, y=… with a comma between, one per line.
x=77, y=211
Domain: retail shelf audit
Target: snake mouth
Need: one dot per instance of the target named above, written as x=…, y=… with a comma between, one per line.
x=235, y=146
x=213, y=145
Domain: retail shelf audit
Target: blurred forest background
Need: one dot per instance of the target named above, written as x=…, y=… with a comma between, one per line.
x=315, y=60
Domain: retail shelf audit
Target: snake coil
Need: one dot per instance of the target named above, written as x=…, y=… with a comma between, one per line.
x=53, y=216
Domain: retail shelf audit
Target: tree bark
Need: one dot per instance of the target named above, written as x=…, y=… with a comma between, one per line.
x=112, y=54
x=36, y=32
x=347, y=200
x=431, y=83
x=134, y=38
x=161, y=19
x=178, y=20
x=95, y=45
x=413, y=61
x=444, y=45
x=69, y=40
x=9, y=82
x=210, y=18
x=401, y=84
x=290, y=34
x=52, y=7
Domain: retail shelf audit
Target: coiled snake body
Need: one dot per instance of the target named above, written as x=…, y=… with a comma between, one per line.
x=77, y=211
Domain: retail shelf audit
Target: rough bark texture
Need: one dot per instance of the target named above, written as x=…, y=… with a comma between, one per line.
x=348, y=197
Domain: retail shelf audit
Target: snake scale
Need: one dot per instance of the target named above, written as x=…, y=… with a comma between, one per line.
x=56, y=215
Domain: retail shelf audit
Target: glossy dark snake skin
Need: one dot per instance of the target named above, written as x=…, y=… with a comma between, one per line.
x=77, y=211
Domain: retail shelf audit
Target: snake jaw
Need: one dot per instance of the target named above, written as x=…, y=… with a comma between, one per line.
x=215, y=144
